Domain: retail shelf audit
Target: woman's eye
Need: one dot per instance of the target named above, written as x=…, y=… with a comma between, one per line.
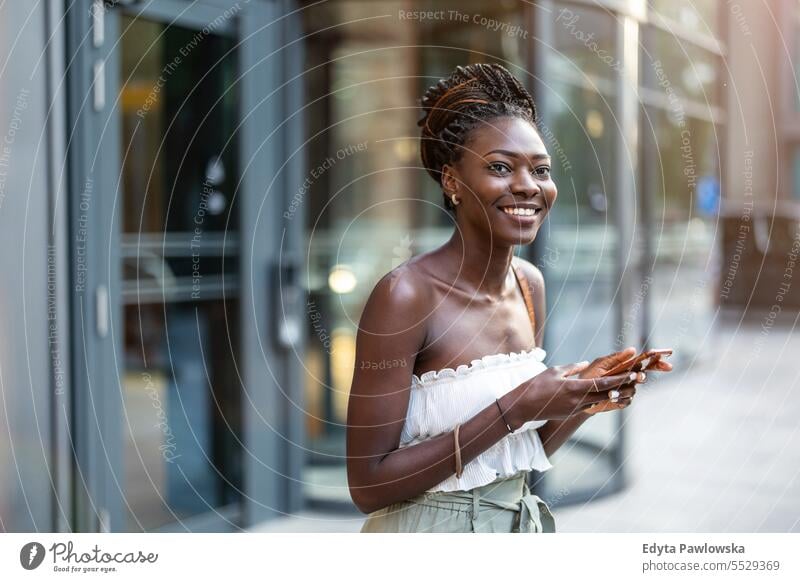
x=543, y=171
x=498, y=168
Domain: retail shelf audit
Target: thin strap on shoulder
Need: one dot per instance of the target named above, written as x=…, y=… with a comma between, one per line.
x=526, y=294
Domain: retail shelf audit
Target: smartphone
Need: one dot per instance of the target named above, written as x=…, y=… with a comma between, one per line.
x=639, y=361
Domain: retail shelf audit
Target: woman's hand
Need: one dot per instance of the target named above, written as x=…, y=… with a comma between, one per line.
x=552, y=394
x=603, y=364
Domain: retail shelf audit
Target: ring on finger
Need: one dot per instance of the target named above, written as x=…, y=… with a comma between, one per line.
x=613, y=395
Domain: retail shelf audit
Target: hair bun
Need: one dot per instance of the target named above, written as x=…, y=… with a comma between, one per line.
x=472, y=84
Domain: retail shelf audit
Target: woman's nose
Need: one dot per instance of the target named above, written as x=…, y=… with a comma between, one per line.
x=525, y=185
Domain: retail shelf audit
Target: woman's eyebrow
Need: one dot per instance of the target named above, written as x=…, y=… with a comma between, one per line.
x=516, y=155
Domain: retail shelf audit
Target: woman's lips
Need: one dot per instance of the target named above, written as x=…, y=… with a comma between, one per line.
x=523, y=219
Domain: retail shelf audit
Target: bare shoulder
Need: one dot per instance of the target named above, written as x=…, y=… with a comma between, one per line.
x=398, y=298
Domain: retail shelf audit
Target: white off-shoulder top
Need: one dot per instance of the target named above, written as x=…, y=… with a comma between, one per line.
x=440, y=399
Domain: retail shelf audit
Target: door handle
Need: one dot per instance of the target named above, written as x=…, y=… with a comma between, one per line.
x=286, y=312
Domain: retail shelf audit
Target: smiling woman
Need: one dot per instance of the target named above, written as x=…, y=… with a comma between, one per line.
x=513, y=179
x=446, y=444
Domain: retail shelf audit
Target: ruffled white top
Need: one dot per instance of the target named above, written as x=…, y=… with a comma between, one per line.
x=440, y=399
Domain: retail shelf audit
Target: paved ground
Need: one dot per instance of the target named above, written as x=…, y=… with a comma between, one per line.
x=714, y=448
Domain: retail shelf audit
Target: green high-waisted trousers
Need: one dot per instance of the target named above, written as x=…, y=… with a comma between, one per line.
x=505, y=505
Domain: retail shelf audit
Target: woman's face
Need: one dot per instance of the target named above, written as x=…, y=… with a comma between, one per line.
x=502, y=181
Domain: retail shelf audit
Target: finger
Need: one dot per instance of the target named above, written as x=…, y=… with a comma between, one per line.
x=593, y=409
x=596, y=407
x=605, y=406
x=592, y=398
x=624, y=389
x=608, y=405
x=621, y=356
x=571, y=369
x=633, y=378
x=613, y=360
x=659, y=366
x=605, y=383
x=652, y=364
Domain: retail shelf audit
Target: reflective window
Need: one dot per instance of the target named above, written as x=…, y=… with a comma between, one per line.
x=696, y=15
x=578, y=244
x=671, y=65
x=583, y=46
x=683, y=187
x=180, y=290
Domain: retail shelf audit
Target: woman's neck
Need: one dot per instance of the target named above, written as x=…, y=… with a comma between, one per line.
x=479, y=267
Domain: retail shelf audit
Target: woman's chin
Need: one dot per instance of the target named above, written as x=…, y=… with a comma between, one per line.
x=520, y=229
x=520, y=237
x=520, y=234
x=527, y=238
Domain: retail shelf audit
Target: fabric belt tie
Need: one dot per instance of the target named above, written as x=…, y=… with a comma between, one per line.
x=534, y=514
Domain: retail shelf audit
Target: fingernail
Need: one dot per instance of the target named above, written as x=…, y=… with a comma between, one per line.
x=644, y=377
x=632, y=376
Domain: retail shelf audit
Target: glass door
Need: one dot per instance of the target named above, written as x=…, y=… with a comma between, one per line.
x=191, y=136
x=180, y=272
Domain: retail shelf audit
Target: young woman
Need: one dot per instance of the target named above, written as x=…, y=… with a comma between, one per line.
x=451, y=405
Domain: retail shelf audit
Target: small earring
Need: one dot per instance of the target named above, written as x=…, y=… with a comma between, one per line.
x=453, y=198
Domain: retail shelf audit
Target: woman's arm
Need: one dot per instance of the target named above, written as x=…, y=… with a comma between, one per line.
x=392, y=330
x=556, y=432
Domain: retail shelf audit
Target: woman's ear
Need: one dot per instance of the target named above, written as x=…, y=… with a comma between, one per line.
x=450, y=182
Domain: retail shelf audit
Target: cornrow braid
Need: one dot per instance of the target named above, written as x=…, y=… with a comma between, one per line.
x=456, y=105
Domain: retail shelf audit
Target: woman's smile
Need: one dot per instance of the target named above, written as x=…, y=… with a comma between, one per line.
x=524, y=213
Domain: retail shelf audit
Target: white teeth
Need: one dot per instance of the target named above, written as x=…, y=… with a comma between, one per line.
x=520, y=211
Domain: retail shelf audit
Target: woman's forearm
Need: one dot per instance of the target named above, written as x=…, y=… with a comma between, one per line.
x=408, y=471
x=556, y=432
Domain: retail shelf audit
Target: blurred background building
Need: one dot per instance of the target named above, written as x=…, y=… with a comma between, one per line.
x=196, y=198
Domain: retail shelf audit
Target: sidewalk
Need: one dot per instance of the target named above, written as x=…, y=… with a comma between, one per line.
x=713, y=448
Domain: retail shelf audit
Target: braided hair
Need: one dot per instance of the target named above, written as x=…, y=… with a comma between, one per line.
x=454, y=106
